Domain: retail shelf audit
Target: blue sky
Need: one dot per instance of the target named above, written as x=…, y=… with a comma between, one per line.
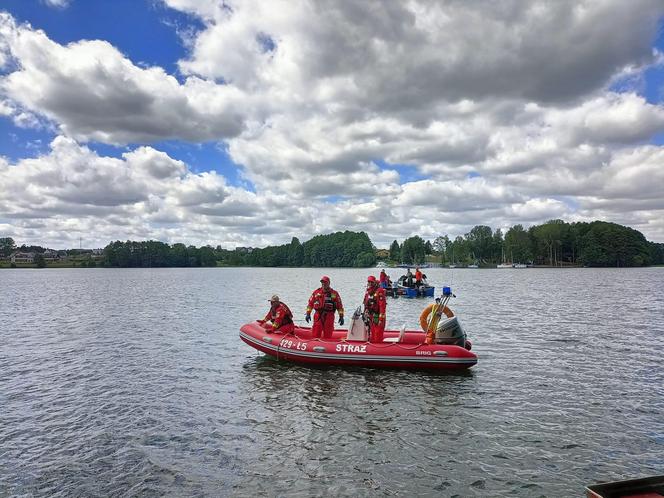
x=291, y=108
x=145, y=31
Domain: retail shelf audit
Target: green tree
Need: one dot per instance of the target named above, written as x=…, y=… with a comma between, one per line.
x=208, y=257
x=40, y=261
x=656, y=253
x=364, y=260
x=178, y=255
x=479, y=241
x=440, y=245
x=517, y=244
x=610, y=244
x=395, y=251
x=295, y=253
x=338, y=249
x=7, y=246
x=548, y=241
x=497, y=246
x=458, y=250
x=412, y=250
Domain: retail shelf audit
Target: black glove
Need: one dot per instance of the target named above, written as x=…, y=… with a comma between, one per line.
x=307, y=317
x=341, y=320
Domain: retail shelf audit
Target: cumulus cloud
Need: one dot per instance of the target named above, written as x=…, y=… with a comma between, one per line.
x=93, y=92
x=404, y=55
x=471, y=194
x=145, y=193
x=506, y=114
x=6, y=108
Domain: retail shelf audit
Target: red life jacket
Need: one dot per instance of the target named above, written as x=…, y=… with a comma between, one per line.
x=281, y=315
x=286, y=313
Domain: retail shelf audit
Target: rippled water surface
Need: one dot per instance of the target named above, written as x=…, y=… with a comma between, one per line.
x=135, y=383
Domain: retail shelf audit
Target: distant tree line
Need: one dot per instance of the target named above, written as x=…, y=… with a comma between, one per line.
x=152, y=253
x=8, y=246
x=340, y=249
x=554, y=243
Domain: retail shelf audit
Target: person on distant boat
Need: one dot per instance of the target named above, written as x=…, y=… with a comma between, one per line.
x=324, y=301
x=375, y=305
x=418, y=277
x=384, y=280
x=409, y=278
x=279, y=318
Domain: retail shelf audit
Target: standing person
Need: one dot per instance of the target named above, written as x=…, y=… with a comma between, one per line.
x=279, y=318
x=375, y=305
x=383, y=279
x=324, y=301
x=409, y=278
x=418, y=277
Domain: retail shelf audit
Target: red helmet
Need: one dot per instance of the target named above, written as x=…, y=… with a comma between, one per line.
x=371, y=279
x=325, y=279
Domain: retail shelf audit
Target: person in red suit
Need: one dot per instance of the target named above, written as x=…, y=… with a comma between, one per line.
x=279, y=318
x=375, y=305
x=325, y=301
x=384, y=280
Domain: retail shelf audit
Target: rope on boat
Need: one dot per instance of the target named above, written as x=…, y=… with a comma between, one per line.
x=377, y=345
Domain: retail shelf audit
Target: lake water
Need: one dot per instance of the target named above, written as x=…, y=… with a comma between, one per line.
x=134, y=383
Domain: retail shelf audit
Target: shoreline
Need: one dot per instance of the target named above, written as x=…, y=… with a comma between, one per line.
x=28, y=266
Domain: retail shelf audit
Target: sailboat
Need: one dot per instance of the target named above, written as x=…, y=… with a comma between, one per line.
x=504, y=264
x=473, y=265
x=452, y=264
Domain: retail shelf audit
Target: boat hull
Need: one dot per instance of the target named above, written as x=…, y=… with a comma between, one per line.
x=645, y=487
x=424, y=291
x=409, y=353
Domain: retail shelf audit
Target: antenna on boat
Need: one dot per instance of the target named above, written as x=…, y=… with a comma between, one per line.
x=445, y=297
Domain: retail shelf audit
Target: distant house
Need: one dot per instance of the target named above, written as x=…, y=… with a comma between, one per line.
x=382, y=253
x=97, y=252
x=51, y=255
x=244, y=250
x=22, y=257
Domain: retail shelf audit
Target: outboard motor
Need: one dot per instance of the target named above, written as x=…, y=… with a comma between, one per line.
x=450, y=331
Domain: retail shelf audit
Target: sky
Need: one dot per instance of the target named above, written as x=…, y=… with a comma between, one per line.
x=247, y=123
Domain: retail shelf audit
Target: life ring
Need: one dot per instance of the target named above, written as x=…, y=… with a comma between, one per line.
x=424, y=317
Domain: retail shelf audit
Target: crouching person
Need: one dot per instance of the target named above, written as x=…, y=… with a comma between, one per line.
x=279, y=318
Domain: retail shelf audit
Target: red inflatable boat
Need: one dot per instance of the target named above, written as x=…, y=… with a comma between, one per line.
x=400, y=349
